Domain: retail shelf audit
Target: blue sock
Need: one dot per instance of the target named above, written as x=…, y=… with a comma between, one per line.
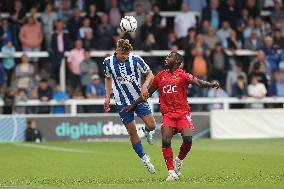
x=138, y=148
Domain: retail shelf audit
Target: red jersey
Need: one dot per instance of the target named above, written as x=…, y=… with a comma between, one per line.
x=172, y=90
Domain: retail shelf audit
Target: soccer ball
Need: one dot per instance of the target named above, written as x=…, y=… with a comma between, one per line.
x=128, y=24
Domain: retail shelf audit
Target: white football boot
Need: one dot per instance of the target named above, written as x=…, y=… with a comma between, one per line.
x=172, y=176
x=149, y=136
x=178, y=165
x=150, y=167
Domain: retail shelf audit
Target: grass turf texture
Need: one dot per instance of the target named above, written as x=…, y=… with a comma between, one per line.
x=211, y=164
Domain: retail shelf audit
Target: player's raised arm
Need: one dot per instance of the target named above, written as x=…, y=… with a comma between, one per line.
x=139, y=100
x=205, y=84
x=108, y=85
x=144, y=89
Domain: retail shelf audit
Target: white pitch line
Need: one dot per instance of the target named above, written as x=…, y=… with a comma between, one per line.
x=52, y=148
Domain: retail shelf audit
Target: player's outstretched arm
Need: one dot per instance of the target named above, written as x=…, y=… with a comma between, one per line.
x=139, y=100
x=205, y=84
x=144, y=89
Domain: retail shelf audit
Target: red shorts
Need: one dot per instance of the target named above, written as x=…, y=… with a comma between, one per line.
x=177, y=120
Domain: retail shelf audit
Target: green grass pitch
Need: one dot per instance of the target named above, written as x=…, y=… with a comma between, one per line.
x=212, y=164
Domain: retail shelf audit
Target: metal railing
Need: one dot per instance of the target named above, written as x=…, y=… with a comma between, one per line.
x=225, y=102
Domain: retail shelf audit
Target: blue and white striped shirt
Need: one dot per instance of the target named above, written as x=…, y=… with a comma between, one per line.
x=125, y=77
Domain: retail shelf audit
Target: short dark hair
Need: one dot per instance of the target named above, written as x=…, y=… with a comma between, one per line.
x=241, y=77
x=178, y=57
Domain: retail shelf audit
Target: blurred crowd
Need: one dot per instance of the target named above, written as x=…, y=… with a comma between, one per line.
x=206, y=30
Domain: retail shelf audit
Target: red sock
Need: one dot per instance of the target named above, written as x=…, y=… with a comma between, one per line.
x=183, y=150
x=168, y=156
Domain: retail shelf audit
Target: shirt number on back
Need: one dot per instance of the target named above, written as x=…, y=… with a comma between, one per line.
x=169, y=89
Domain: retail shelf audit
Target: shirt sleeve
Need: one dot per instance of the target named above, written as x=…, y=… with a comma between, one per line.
x=142, y=66
x=154, y=84
x=106, y=68
x=188, y=78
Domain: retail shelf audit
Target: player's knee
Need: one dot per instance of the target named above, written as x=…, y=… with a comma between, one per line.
x=187, y=139
x=151, y=126
x=166, y=143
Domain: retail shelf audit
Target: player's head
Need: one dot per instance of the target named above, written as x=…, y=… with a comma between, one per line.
x=123, y=48
x=173, y=60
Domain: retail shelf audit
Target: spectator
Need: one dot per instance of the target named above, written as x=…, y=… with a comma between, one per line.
x=85, y=28
x=229, y=12
x=81, y=4
x=199, y=67
x=65, y=11
x=60, y=42
x=32, y=133
x=220, y=64
x=126, y=5
x=45, y=93
x=6, y=33
x=278, y=39
x=88, y=68
x=204, y=27
x=277, y=13
x=249, y=28
x=145, y=5
x=9, y=99
x=157, y=19
x=232, y=77
x=2, y=76
x=114, y=14
x=239, y=88
x=48, y=19
x=171, y=40
x=232, y=42
x=216, y=93
x=224, y=32
x=17, y=13
x=196, y=6
x=259, y=73
x=93, y=16
x=8, y=61
x=61, y=97
x=24, y=74
x=211, y=14
x=265, y=66
x=31, y=38
x=74, y=59
x=252, y=8
x=256, y=90
x=253, y=42
x=147, y=28
x=183, y=21
x=139, y=15
x=95, y=89
x=276, y=87
x=32, y=95
x=149, y=45
x=74, y=23
x=21, y=97
x=263, y=26
x=211, y=38
x=104, y=32
x=89, y=42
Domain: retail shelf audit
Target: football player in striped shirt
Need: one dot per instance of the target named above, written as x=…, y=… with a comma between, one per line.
x=172, y=84
x=122, y=76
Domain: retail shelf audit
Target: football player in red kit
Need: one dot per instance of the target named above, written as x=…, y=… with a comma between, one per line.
x=173, y=86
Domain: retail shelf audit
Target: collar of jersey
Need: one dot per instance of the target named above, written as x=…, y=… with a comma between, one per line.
x=121, y=64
